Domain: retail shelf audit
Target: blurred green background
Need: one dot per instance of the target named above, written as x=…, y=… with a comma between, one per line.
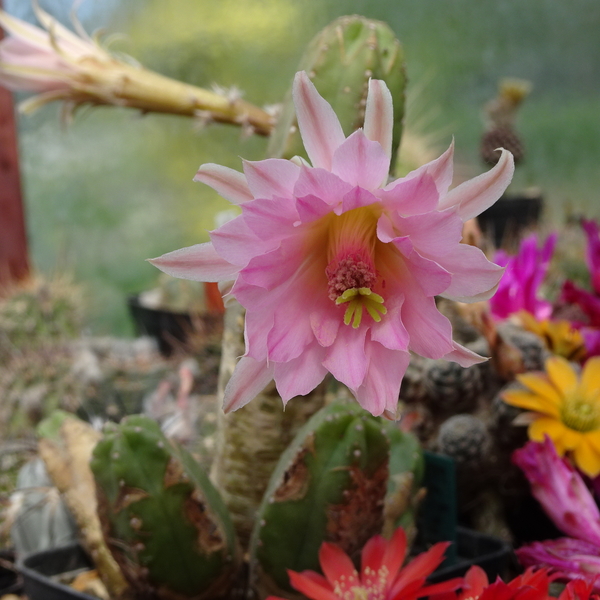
x=115, y=187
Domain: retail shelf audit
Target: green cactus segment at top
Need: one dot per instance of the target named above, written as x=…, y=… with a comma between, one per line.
x=340, y=60
x=329, y=485
x=163, y=521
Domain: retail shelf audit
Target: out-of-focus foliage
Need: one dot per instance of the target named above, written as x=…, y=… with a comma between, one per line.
x=116, y=187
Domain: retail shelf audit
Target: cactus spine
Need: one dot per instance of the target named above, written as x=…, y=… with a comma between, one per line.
x=162, y=519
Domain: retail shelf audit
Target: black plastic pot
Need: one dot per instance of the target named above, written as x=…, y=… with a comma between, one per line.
x=172, y=330
x=506, y=220
x=490, y=553
x=10, y=580
x=437, y=522
x=41, y=570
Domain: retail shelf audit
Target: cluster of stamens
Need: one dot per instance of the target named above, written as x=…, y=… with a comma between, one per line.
x=351, y=280
x=371, y=586
x=581, y=414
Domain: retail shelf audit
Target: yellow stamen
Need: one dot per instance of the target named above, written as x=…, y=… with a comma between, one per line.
x=359, y=298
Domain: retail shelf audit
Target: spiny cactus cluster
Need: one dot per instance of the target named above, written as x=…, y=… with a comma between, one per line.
x=38, y=311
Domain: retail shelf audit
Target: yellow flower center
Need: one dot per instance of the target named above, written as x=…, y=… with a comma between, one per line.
x=351, y=272
x=580, y=414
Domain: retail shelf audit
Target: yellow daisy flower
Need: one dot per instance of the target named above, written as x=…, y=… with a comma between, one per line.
x=565, y=407
x=560, y=337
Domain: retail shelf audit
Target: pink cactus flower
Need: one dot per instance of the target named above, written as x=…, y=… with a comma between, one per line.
x=51, y=61
x=337, y=268
x=525, y=273
x=567, y=501
x=561, y=491
x=570, y=559
x=592, y=231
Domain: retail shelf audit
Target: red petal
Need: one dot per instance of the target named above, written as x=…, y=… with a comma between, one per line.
x=312, y=584
x=336, y=564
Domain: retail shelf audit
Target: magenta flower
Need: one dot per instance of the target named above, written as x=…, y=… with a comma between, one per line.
x=525, y=273
x=567, y=501
x=337, y=269
x=561, y=491
x=571, y=559
x=592, y=231
x=589, y=305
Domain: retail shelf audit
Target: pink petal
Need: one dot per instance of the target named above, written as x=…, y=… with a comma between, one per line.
x=432, y=234
x=198, y=263
x=66, y=40
x=474, y=196
x=474, y=277
x=311, y=208
x=359, y=161
x=292, y=331
x=271, y=177
x=410, y=196
x=257, y=323
x=356, y=198
x=271, y=219
x=277, y=267
x=237, y=243
x=335, y=563
x=390, y=331
x=325, y=323
x=229, y=183
x=427, y=274
x=319, y=126
x=346, y=359
x=463, y=356
x=430, y=332
x=379, y=115
x=381, y=385
x=300, y=375
x=321, y=184
x=440, y=170
x=249, y=378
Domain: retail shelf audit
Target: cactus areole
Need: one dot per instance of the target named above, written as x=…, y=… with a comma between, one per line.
x=162, y=519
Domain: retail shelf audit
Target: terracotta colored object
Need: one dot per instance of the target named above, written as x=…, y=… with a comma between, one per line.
x=14, y=262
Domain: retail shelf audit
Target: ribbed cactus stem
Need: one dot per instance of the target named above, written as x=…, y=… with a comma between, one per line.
x=251, y=440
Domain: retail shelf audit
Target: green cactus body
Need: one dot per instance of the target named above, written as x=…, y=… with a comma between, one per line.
x=163, y=521
x=340, y=60
x=329, y=485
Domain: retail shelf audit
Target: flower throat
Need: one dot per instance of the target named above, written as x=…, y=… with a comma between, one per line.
x=350, y=271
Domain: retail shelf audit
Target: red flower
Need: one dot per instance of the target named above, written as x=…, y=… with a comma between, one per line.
x=381, y=576
x=531, y=585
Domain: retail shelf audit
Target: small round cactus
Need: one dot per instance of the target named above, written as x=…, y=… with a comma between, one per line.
x=465, y=438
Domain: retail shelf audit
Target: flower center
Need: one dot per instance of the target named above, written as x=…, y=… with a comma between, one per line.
x=371, y=586
x=350, y=271
x=580, y=414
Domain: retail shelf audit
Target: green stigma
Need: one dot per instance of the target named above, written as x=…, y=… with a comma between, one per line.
x=359, y=299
